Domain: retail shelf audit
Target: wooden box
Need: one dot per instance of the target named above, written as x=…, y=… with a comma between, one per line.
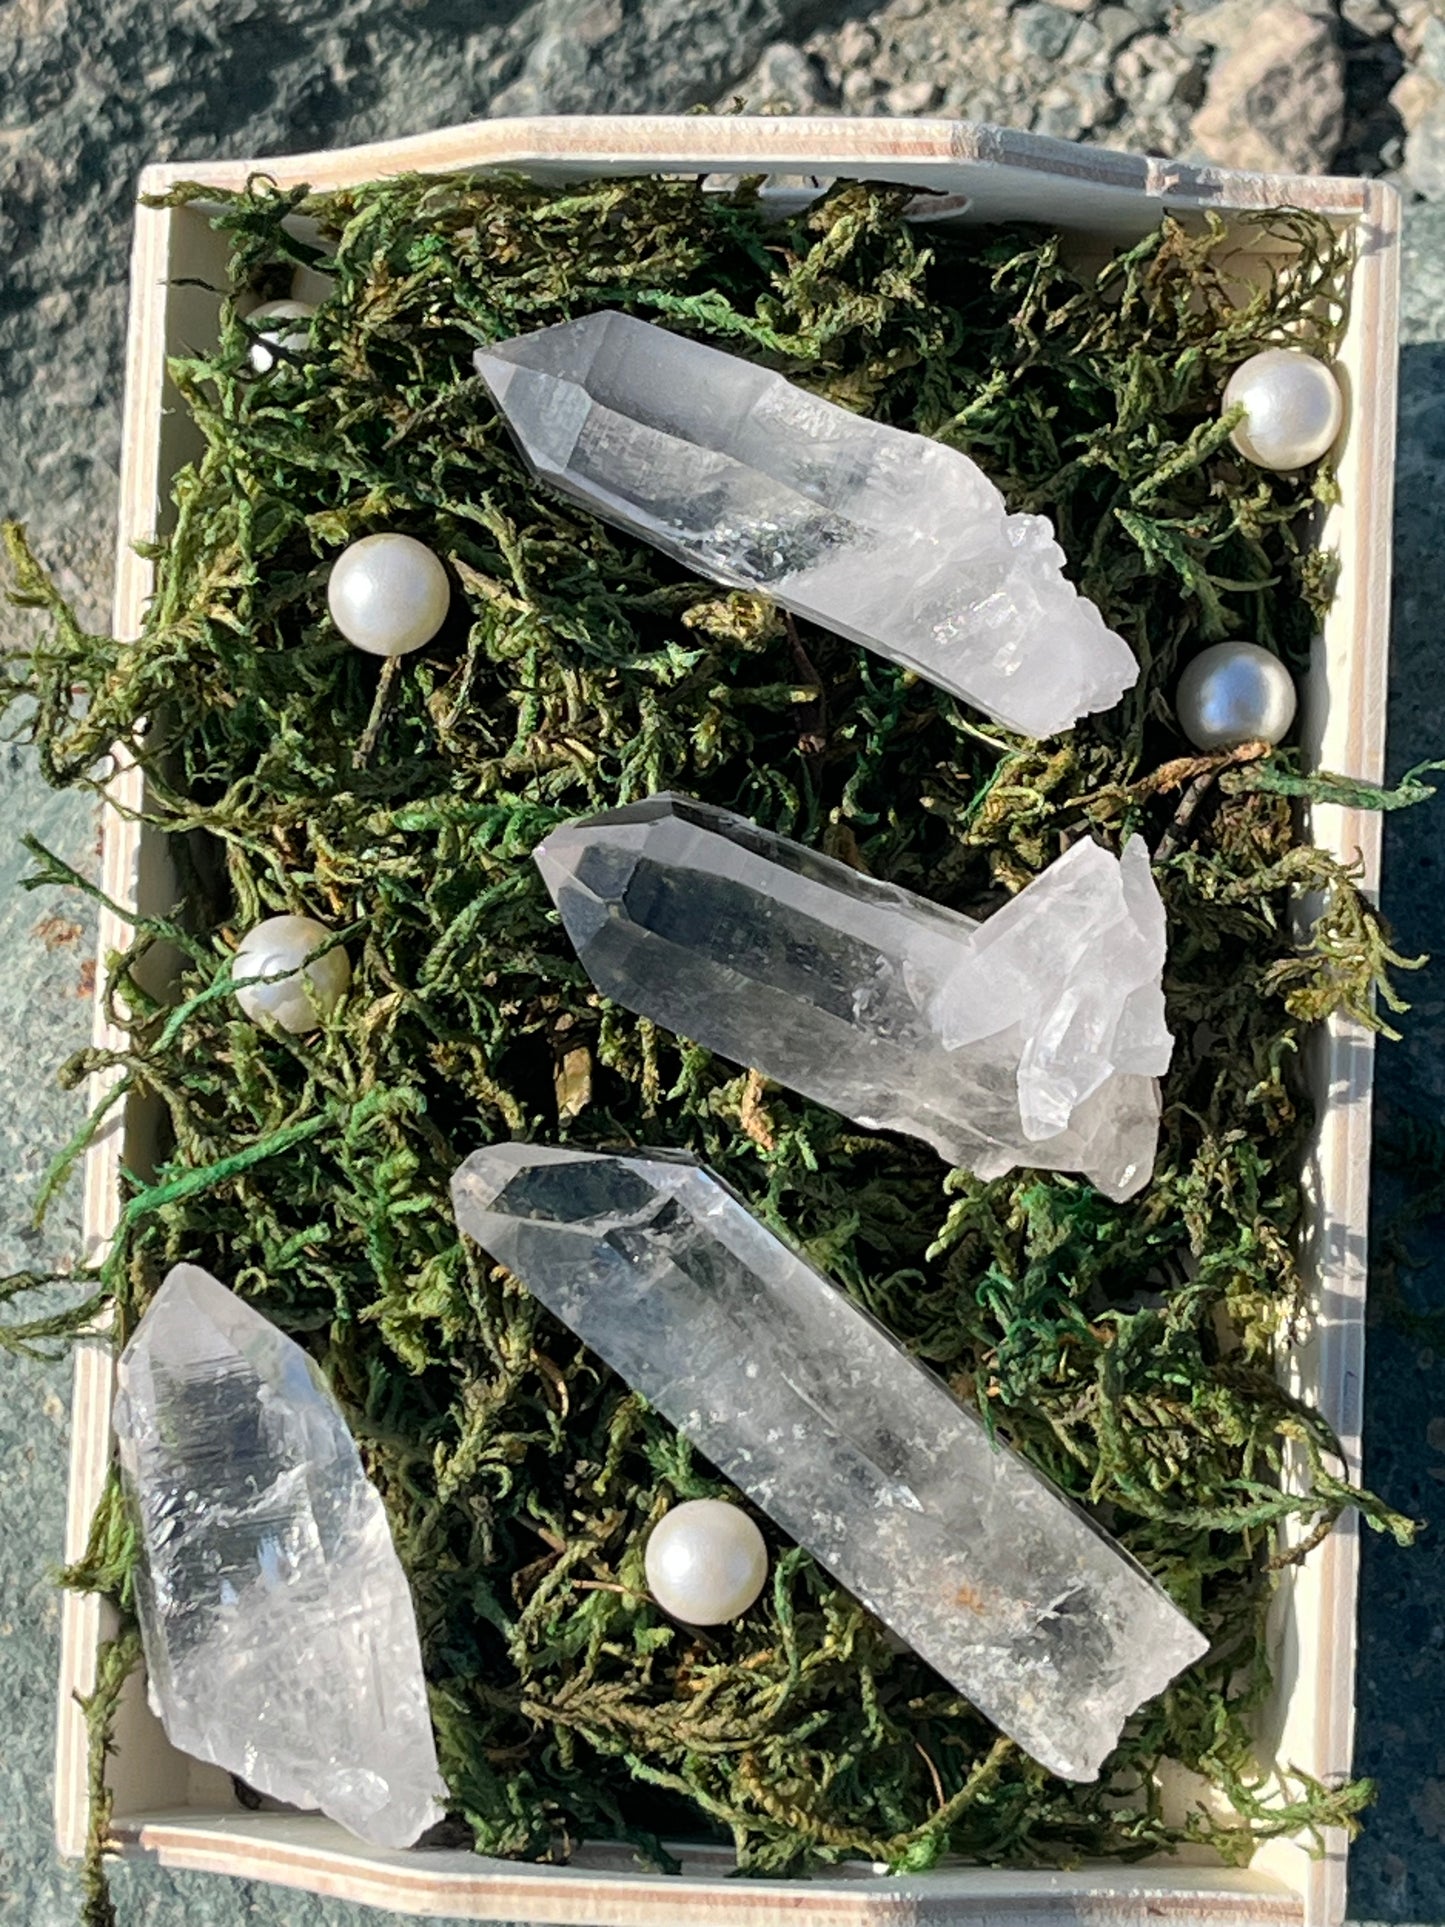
x=186, y=1814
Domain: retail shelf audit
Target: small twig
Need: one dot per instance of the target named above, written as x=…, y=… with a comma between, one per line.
x=553, y=1375
x=1169, y=775
x=933, y=1774
x=377, y=719
x=813, y=735
x=608, y=1585
x=1184, y=815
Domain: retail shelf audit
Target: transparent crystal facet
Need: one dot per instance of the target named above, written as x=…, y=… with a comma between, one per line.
x=1033, y=1038
x=989, y=1572
x=896, y=541
x=280, y=1637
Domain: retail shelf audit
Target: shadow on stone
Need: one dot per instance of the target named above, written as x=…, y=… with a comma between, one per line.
x=1397, y=1868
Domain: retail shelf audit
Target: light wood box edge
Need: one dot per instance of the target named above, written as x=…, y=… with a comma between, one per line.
x=1013, y=175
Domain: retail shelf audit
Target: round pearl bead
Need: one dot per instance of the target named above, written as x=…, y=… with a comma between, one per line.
x=706, y=1562
x=293, y=339
x=297, y=1001
x=1293, y=408
x=388, y=594
x=1235, y=693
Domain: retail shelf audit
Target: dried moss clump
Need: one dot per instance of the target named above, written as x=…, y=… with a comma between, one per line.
x=1124, y=1348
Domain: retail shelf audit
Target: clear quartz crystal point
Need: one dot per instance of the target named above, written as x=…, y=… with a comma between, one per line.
x=891, y=539
x=279, y=1632
x=1033, y=1038
x=807, y=1404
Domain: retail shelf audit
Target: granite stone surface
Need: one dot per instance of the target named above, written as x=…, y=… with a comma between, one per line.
x=1398, y=1865
x=89, y=92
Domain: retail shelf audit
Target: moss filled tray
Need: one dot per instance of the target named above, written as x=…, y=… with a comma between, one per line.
x=1139, y=1353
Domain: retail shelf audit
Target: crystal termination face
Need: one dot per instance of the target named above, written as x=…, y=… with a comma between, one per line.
x=889, y=538
x=1034, y=1038
x=992, y=1575
x=280, y=1637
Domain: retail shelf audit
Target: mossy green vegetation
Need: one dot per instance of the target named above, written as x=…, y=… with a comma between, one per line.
x=1125, y=1349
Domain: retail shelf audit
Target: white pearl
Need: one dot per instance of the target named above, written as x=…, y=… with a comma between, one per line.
x=388, y=594
x=297, y=1001
x=1293, y=408
x=706, y=1562
x=295, y=340
x=1233, y=693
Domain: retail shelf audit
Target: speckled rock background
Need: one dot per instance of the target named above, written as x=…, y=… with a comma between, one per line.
x=90, y=91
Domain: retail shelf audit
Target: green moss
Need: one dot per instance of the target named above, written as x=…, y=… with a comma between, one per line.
x=1124, y=1348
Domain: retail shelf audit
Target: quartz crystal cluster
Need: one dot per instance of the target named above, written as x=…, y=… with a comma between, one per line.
x=990, y=1573
x=1032, y=1038
x=891, y=539
x=280, y=1637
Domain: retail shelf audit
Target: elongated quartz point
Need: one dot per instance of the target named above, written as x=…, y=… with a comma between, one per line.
x=1033, y=1038
x=893, y=540
x=280, y=1637
x=860, y=1454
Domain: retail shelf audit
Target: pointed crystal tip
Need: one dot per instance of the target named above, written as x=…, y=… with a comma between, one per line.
x=894, y=540
x=279, y=1632
x=857, y=1451
x=1033, y=1038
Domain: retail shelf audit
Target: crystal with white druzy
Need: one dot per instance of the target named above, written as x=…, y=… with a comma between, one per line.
x=280, y=1637
x=892, y=539
x=859, y=1453
x=1032, y=1038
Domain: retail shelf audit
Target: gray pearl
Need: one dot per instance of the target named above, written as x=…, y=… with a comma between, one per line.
x=1233, y=693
